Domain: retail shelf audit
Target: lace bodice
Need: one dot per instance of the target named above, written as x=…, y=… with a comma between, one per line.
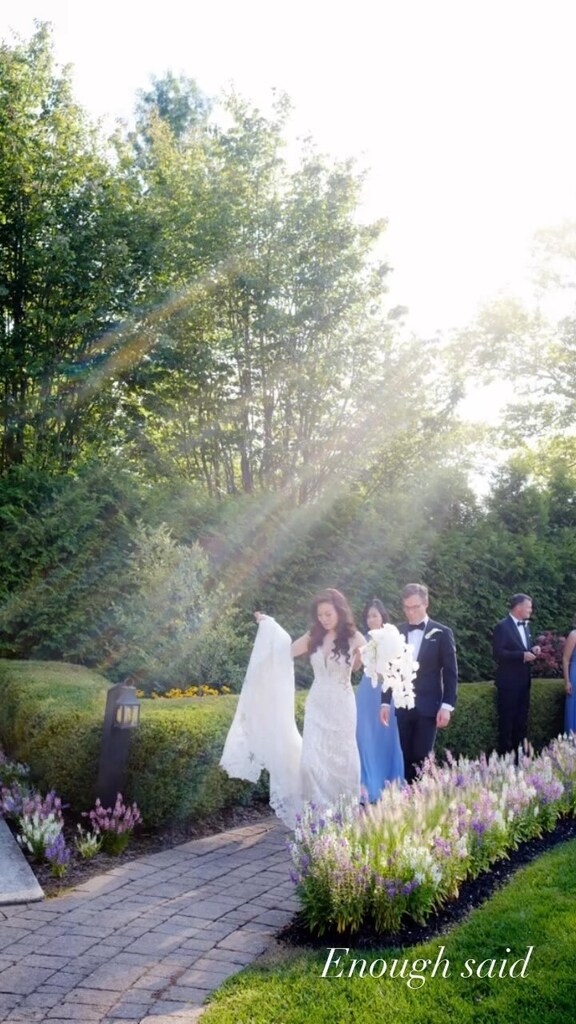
x=329, y=670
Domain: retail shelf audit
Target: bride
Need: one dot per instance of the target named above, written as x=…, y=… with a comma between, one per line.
x=322, y=765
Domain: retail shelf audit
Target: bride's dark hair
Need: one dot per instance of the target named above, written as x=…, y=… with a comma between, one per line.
x=345, y=627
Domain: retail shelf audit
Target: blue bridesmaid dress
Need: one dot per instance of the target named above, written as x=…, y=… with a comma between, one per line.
x=570, y=706
x=381, y=759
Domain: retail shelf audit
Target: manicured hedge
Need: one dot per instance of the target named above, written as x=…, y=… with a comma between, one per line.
x=474, y=725
x=51, y=717
x=173, y=770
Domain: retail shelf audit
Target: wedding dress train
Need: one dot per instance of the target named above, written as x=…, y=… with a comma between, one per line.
x=323, y=765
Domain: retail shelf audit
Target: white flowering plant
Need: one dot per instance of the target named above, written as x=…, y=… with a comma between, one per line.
x=40, y=823
x=388, y=657
x=87, y=843
x=37, y=833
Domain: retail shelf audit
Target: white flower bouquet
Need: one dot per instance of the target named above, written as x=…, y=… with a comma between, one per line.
x=388, y=657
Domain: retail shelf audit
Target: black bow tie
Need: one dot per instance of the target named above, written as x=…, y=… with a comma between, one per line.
x=419, y=626
x=522, y=622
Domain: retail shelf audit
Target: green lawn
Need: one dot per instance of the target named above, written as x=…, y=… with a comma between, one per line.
x=537, y=908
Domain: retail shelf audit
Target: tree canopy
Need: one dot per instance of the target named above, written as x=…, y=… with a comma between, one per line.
x=200, y=367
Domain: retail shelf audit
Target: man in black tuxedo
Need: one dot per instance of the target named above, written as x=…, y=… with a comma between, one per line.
x=514, y=655
x=435, y=683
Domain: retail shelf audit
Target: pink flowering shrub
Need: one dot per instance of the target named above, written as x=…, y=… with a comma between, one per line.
x=115, y=825
x=549, y=663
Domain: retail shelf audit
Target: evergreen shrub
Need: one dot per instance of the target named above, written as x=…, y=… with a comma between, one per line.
x=51, y=717
x=473, y=728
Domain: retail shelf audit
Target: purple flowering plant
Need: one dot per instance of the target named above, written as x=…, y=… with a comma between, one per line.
x=339, y=891
x=11, y=799
x=58, y=855
x=408, y=854
x=14, y=786
x=563, y=759
x=114, y=825
x=40, y=823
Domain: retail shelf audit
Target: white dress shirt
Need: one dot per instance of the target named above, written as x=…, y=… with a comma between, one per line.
x=414, y=640
x=521, y=630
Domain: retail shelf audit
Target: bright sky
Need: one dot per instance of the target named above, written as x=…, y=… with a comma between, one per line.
x=463, y=110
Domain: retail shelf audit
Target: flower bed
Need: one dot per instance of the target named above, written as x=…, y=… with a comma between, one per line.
x=176, y=693
x=38, y=822
x=406, y=856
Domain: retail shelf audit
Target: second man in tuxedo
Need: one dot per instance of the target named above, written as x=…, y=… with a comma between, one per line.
x=514, y=655
x=435, y=684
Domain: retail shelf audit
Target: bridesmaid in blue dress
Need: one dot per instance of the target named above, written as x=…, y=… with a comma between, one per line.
x=569, y=666
x=381, y=758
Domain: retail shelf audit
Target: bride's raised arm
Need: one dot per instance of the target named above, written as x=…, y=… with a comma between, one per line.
x=358, y=641
x=301, y=645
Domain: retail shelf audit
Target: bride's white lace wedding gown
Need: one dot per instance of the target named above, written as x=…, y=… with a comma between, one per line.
x=323, y=765
x=330, y=762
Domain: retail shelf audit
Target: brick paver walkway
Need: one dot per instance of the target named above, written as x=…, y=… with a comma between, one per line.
x=150, y=939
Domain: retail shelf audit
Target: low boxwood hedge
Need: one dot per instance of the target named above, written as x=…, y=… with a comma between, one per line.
x=173, y=771
x=474, y=725
x=51, y=717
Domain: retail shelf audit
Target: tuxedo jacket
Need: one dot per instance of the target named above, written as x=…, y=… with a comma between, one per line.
x=509, y=651
x=436, y=680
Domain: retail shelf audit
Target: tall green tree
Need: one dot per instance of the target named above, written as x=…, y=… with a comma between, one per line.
x=69, y=261
x=274, y=365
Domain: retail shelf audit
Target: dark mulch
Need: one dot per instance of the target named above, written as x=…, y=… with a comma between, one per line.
x=142, y=843
x=472, y=894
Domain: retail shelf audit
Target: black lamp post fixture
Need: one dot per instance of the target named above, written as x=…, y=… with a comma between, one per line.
x=121, y=717
x=127, y=710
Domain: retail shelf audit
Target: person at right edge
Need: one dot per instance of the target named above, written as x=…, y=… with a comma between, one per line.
x=514, y=655
x=435, y=684
x=569, y=669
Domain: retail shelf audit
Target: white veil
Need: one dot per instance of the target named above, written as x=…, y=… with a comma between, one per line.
x=263, y=733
